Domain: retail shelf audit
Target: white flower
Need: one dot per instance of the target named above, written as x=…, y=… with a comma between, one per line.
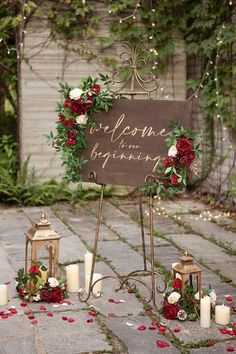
x=75, y=93
x=82, y=119
x=196, y=296
x=213, y=297
x=173, y=297
x=53, y=282
x=36, y=297
x=172, y=151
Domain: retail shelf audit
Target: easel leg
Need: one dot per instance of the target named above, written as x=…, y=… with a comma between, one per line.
x=152, y=248
x=142, y=231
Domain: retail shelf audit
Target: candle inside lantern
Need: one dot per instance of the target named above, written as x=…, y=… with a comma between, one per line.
x=88, y=259
x=205, y=312
x=222, y=314
x=72, y=278
x=44, y=273
x=97, y=289
x=3, y=295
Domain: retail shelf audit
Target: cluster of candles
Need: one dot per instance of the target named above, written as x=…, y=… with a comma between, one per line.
x=222, y=313
x=72, y=276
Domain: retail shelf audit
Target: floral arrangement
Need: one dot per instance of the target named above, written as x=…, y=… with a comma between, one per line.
x=32, y=286
x=74, y=116
x=187, y=307
x=171, y=173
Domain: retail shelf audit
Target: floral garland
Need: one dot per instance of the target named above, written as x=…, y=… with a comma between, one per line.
x=74, y=116
x=32, y=286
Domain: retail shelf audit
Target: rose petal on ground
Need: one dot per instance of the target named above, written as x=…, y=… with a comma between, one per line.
x=92, y=313
x=13, y=311
x=230, y=348
x=23, y=303
x=27, y=312
x=223, y=330
x=7, y=282
x=155, y=323
x=177, y=329
x=231, y=333
x=129, y=324
x=111, y=300
x=162, y=328
x=70, y=319
x=229, y=297
x=210, y=344
x=152, y=327
x=162, y=344
x=142, y=328
x=89, y=320
x=4, y=316
x=42, y=308
x=31, y=317
x=64, y=318
x=34, y=322
x=50, y=314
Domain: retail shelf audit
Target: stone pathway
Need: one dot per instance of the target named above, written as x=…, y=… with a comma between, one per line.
x=179, y=225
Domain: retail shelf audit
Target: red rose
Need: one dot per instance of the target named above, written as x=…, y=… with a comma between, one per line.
x=79, y=106
x=177, y=283
x=95, y=89
x=55, y=295
x=67, y=103
x=170, y=310
x=169, y=161
x=34, y=268
x=188, y=159
x=184, y=146
x=174, y=179
x=72, y=134
x=166, y=183
x=70, y=141
x=61, y=117
x=44, y=294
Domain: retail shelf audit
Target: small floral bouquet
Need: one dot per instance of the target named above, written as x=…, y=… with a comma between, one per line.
x=171, y=173
x=32, y=286
x=187, y=307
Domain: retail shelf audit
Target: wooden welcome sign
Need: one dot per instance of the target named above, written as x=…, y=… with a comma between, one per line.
x=128, y=142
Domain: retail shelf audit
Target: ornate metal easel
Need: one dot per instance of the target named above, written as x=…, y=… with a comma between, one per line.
x=132, y=59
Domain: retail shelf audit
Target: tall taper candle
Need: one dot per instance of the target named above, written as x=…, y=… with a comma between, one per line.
x=88, y=259
x=72, y=278
x=3, y=295
x=205, y=312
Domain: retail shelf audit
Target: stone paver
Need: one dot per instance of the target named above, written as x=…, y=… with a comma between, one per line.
x=218, y=348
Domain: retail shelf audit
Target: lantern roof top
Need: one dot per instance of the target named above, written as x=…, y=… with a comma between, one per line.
x=42, y=230
x=186, y=265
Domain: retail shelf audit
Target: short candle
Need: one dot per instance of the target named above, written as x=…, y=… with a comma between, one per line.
x=72, y=278
x=3, y=295
x=222, y=314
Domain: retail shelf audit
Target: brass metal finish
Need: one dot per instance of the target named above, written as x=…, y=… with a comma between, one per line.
x=41, y=234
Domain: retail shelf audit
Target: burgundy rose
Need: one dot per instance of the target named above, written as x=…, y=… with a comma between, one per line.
x=174, y=179
x=79, y=106
x=184, y=146
x=55, y=295
x=61, y=117
x=34, y=268
x=44, y=294
x=170, y=310
x=67, y=103
x=70, y=141
x=166, y=183
x=95, y=89
x=187, y=159
x=177, y=283
x=169, y=161
x=73, y=134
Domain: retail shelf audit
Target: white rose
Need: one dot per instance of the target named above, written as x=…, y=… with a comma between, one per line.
x=36, y=297
x=173, y=297
x=75, y=93
x=82, y=119
x=53, y=282
x=172, y=151
x=213, y=297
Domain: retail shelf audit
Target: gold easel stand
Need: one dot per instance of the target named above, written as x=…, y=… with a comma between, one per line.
x=131, y=59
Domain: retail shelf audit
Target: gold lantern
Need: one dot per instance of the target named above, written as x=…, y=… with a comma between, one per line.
x=187, y=270
x=41, y=234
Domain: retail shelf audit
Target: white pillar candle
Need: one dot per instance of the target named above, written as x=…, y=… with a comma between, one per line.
x=97, y=289
x=205, y=312
x=3, y=295
x=72, y=278
x=88, y=259
x=222, y=314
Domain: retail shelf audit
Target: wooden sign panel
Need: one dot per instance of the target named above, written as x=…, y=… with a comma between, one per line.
x=129, y=140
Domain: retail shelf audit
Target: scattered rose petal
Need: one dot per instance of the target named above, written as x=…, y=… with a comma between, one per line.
x=23, y=303
x=210, y=344
x=89, y=320
x=34, y=322
x=229, y=297
x=155, y=323
x=10, y=314
x=27, y=312
x=67, y=302
x=162, y=328
x=7, y=282
x=111, y=300
x=1, y=313
x=152, y=327
x=50, y=314
x=70, y=319
x=4, y=316
x=223, y=330
x=129, y=324
x=92, y=313
x=13, y=311
x=231, y=333
x=64, y=318
x=230, y=348
x=162, y=344
x=31, y=317
x=142, y=328
x=177, y=330
x=42, y=308
x=110, y=314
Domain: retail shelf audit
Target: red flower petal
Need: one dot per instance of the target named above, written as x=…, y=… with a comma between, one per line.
x=155, y=323
x=89, y=320
x=92, y=313
x=64, y=318
x=4, y=316
x=50, y=314
x=31, y=317
x=152, y=327
x=230, y=348
x=27, y=312
x=42, y=308
x=162, y=344
x=67, y=302
x=23, y=303
x=210, y=344
x=13, y=310
x=177, y=330
x=34, y=322
x=232, y=333
x=229, y=298
x=111, y=300
x=7, y=282
x=223, y=330
x=70, y=319
x=162, y=328
x=142, y=328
